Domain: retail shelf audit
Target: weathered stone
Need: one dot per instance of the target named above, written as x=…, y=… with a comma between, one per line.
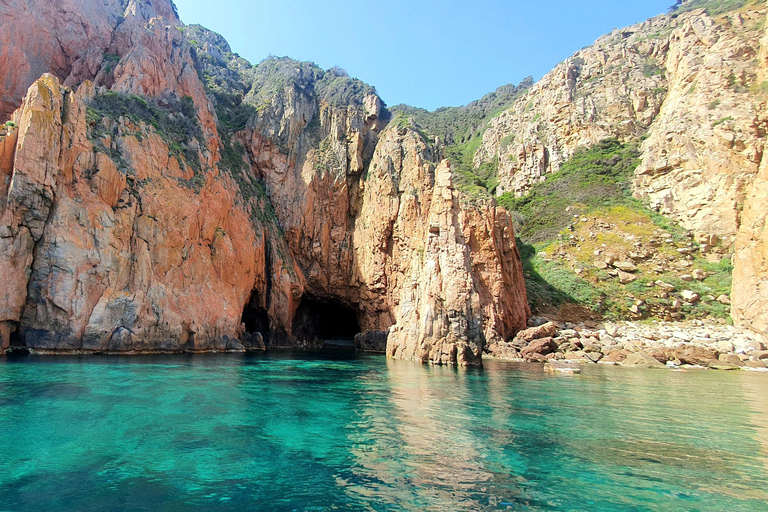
x=665, y=286
x=616, y=356
x=642, y=360
x=168, y=258
x=691, y=354
x=731, y=359
x=541, y=346
x=575, y=355
x=689, y=296
x=547, y=330
x=723, y=299
x=372, y=341
x=537, y=321
x=625, y=266
x=626, y=278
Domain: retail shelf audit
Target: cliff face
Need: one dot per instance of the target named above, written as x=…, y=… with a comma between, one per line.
x=161, y=194
x=693, y=85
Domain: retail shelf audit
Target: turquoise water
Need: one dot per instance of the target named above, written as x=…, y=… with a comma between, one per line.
x=308, y=432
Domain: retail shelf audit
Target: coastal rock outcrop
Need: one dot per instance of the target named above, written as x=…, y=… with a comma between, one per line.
x=160, y=194
x=691, y=87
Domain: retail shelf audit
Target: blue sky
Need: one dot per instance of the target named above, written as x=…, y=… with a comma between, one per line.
x=425, y=53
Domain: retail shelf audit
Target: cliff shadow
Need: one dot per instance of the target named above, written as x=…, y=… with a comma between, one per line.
x=555, y=292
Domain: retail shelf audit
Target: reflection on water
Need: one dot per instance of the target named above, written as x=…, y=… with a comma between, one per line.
x=303, y=432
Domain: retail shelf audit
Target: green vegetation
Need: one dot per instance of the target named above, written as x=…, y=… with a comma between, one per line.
x=326, y=159
x=339, y=90
x=334, y=86
x=652, y=68
x=174, y=120
x=586, y=209
x=110, y=61
x=228, y=78
x=759, y=88
x=721, y=121
x=474, y=181
x=713, y=7
x=549, y=284
x=461, y=129
x=593, y=178
x=458, y=125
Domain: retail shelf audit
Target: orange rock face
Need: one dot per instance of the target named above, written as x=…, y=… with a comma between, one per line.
x=117, y=237
x=117, y=265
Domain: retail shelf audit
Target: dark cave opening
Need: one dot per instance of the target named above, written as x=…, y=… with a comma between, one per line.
x=319, y=321
x=256, y=320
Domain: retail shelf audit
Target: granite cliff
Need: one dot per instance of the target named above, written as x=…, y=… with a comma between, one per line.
x=160, y=194
x=690, y=88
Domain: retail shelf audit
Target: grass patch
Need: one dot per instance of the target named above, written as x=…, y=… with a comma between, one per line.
x=560, y=252
x=549, y=284
x=593, y=178
x=713, y=7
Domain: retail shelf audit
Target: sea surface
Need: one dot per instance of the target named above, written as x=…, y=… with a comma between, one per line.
x=316, y=432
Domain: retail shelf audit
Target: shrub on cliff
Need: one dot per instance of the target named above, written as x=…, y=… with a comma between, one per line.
x=175, y=120
x=595, y=177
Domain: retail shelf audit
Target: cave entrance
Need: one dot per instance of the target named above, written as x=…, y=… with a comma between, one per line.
x=325, y=323
x=256, y=320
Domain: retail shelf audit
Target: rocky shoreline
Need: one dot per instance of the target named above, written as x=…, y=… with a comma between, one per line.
x=659, y=344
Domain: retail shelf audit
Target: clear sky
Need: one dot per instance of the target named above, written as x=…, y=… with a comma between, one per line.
x=426, y=53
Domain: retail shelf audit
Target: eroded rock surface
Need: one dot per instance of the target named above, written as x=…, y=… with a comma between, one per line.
x=694, y=87
x=144, y=210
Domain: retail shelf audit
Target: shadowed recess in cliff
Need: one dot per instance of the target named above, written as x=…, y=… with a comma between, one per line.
x=319, y=320
x=255, y=320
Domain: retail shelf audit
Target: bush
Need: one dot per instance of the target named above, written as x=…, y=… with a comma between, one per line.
x=592, y=178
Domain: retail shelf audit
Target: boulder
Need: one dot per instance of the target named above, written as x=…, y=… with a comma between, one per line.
x=731, y=359
x=642, y=360
x=616, y=356
x=626, y=266
x=699, y=274
x=626, y=278
x=253, y=341
x=575, y=355
x=541, y=346
x=695, y=355
x=537, y=321
x=502, y=351
x=546, y=330
x=689, y=295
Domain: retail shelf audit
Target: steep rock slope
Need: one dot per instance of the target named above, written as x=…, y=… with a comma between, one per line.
x=161, y=194
x=692, y=84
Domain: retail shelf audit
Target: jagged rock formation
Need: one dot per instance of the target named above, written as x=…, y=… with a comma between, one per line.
x=614, y=88
x=162, y=194
x=694, y=86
